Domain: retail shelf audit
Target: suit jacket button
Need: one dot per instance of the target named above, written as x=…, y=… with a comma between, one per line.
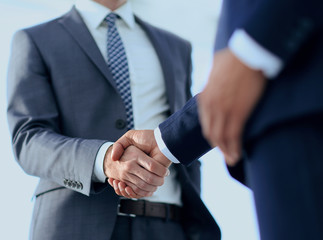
x=120, y=124
x=73, y=184
x=79, y=185
x=65, y=181
x=69, y=183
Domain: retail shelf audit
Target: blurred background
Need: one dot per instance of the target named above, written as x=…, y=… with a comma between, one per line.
x=196, y=20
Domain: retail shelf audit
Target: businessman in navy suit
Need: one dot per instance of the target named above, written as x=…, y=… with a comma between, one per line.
x=263, y=106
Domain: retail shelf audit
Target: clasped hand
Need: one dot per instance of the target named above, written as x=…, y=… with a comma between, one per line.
x=134, y=165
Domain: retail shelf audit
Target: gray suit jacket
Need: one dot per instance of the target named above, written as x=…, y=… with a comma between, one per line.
x=63, y=104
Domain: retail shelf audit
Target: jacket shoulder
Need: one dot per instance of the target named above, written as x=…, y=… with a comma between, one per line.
x=164, y=34
x=47, y=25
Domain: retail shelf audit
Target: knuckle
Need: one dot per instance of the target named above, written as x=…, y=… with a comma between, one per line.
x=131, y=132
x=123, y=193
x=123, y=176
x=150, y=166
x=159, y=182
x=149, y=179
x=131, y=148
x=164, y=171
x=162, y=182
x=153, y=167
x=128, y=166
x=141, y=185
x=135, y=189
x=139, y=192
x=131, y=154
x=148, y=194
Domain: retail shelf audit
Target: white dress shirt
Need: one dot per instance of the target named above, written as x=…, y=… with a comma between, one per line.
x=147, y=84
x=253, y=55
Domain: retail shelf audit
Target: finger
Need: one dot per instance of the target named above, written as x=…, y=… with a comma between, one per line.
x=142, y=139
x=211, y=118
x=233, y=142
x=110, y=181
x=203, y=116
x=122, y=190
x=218, y=132
x=131, y=193
x=140, y=177
x=229, y=160
x=223, y=138
x=152, y=166
x=134, y=179
x=234, y=147
x=121, y=144
x=234, y=130
x=116, y=188
x=143, y=178
x=139, y=191
x=137, y=168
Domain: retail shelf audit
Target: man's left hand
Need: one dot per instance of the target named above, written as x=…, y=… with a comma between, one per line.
x=232, y=91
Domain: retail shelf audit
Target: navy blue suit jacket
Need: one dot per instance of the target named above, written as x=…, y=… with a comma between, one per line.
x=292, y=30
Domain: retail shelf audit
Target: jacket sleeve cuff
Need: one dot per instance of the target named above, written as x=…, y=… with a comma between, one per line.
x=162, y=146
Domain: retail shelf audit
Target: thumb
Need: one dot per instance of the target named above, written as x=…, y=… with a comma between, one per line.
x=117, y=151
x=120, y=146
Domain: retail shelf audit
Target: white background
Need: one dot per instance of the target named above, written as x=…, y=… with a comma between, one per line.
x=230, y=203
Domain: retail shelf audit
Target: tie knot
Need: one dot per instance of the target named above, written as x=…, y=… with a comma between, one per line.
x=111, y=19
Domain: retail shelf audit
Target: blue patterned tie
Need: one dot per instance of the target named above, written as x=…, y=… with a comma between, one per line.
x=118, y=64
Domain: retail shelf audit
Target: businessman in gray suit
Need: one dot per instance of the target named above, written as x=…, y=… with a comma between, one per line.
x=75, y=85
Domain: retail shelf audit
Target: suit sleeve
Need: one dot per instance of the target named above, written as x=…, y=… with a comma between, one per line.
x=38, y=145
x=283, y=27
x=182, y=134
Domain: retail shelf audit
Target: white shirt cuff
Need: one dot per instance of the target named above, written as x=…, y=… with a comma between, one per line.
x=98, y=166
x=162, y=146
x=252, y=54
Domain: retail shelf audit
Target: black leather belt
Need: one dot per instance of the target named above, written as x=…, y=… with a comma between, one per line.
x=133, y=208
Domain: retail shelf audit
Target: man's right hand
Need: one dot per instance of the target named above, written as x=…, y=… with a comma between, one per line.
x=144, y=140
x=135, y=169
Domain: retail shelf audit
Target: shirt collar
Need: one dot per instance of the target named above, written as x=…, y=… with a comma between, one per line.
x=95, y=13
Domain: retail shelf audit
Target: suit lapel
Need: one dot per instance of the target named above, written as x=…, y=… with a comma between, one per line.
x=165, y=58
x=74, y=24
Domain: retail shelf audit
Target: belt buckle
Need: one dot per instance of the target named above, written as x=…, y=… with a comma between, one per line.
x=124, y=214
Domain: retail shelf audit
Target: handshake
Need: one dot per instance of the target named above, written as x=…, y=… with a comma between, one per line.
x=134, y=165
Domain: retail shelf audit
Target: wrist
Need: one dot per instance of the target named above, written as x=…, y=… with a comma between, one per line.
x=107, y=160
